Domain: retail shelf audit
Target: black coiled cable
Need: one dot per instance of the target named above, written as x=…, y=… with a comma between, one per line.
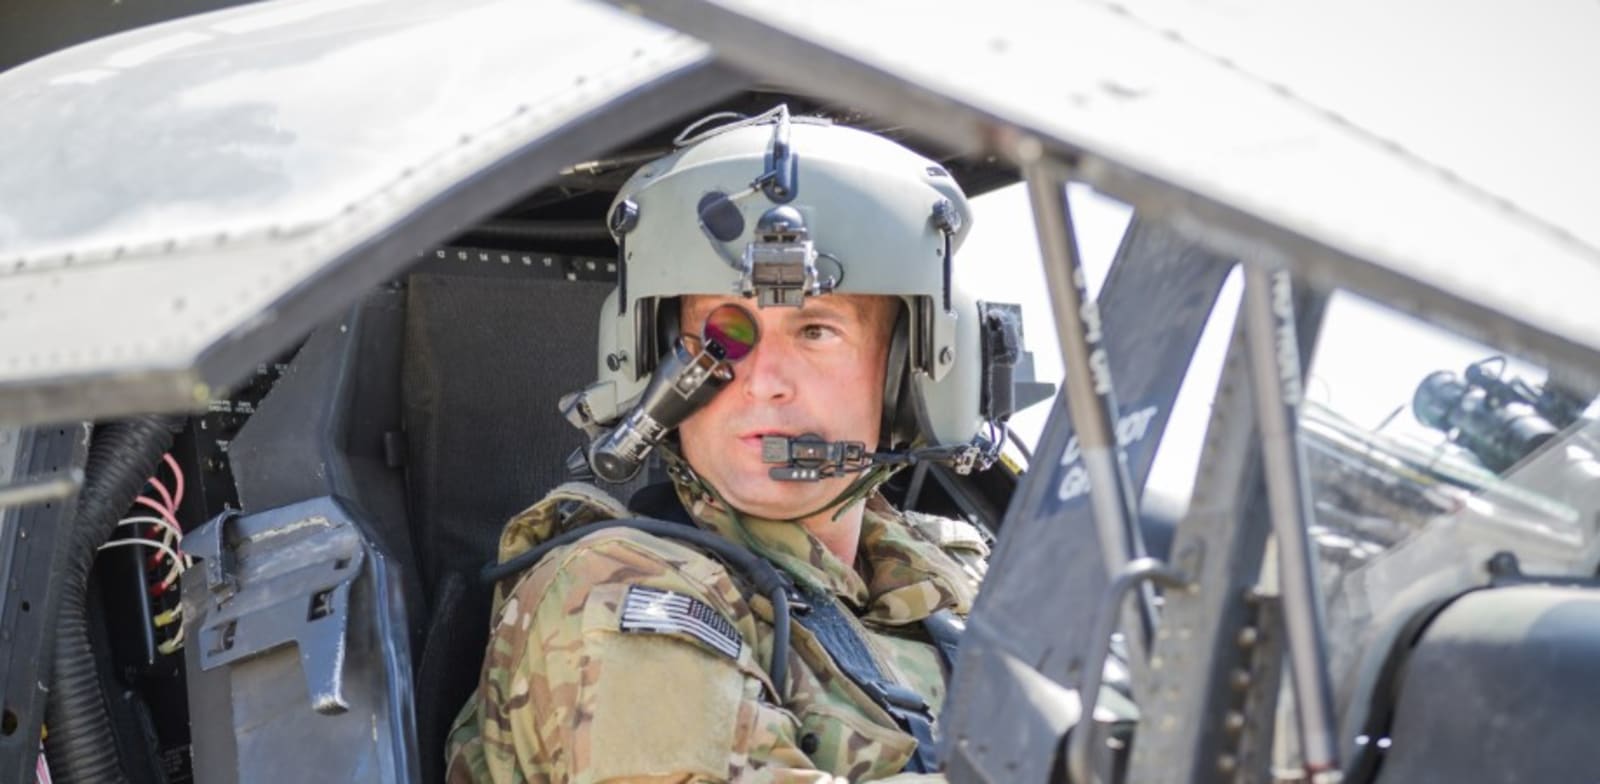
x=122, y=456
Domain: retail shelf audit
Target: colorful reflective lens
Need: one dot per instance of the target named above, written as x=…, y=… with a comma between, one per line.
x=732, y=329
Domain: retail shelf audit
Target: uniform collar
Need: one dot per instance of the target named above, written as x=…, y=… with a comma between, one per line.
x=902, y=578
x=909, y=576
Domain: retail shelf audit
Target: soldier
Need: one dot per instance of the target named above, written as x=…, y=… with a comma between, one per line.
x=628, y=655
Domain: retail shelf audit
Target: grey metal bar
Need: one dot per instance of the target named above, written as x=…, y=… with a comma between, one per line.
x=1091, y=399
x=1275, y=380
x=1137, y=573
x=1209, y=641
x=37, y=491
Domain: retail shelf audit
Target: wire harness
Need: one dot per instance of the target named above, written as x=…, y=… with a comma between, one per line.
x=162, y=533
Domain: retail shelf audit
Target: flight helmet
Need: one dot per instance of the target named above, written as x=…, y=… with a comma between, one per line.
x=779, y=209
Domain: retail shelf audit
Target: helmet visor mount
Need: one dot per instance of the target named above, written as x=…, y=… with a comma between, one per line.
x=780, y=264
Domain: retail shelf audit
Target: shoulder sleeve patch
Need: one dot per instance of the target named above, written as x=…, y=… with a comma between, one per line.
x=654, y=611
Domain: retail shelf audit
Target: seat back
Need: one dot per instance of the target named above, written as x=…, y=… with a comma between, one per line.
x=493, y=339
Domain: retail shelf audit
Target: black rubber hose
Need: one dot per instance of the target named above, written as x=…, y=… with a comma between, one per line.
x=570, y=230
x=80, y=743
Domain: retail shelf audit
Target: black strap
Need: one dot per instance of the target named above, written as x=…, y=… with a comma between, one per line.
x=660, y=501
x=826, y=619
x=945, y=629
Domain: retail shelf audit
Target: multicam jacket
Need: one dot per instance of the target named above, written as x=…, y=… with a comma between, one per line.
x=567, y=695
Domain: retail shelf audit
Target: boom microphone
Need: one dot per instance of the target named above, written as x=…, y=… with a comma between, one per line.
x=808, y=458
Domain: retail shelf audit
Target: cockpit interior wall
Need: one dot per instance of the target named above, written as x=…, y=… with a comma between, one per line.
x=493, y=339
x=487, y=357
x=33, y=28
x=447, y=378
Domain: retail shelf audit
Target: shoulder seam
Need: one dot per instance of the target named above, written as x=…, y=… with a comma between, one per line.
x=620, y=536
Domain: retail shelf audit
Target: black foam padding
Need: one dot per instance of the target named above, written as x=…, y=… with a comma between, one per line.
x=487, y=358
x=446, y=676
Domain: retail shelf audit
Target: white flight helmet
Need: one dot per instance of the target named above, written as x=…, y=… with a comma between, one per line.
x=780, y=209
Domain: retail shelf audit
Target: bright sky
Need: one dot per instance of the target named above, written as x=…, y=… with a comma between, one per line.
x=1368, y=361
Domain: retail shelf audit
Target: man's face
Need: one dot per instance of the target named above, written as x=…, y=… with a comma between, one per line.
x=816, y=369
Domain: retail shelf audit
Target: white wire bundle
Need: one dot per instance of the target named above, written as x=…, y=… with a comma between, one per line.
x=168, y=545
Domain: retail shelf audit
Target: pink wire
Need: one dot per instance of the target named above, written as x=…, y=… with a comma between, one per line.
x=166, y=495
x=177, y=480
x=169, y=511
x=166, y=498
x=156, y=505
x=145, y=500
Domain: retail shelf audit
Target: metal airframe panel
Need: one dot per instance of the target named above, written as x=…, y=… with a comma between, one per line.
x=175, y=189
x=1486, y=92
x=260, y=121
x=1236, y=156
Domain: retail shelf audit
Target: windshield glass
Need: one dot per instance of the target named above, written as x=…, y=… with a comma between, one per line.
x=1429, y=456
x=1005, y=243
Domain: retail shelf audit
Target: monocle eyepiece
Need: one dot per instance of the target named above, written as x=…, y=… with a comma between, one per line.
x=688, y=376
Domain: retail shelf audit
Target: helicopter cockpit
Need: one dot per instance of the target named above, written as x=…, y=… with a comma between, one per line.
x=313, y=304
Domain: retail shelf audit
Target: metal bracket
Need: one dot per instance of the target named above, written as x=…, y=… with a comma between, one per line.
x=278, y=578
x=1505, y=569
x=37, y=491
x=1250, y=722
x=780, y=264
x=216, y=561
x=1133, y=575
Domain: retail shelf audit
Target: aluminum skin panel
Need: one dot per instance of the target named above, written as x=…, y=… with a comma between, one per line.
x=1216, y=118
x=180, y=201
x=34, y=542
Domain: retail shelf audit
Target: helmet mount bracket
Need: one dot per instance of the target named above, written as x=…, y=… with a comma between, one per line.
x=947, y=219
x=780, y=181
x=779, y=267
x=623, y=220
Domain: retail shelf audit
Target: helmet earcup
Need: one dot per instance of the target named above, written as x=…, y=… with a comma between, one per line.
x=899, y=425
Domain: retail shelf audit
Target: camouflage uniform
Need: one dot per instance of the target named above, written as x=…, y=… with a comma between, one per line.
x=565, y=696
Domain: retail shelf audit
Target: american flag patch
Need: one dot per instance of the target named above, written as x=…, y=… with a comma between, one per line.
x=664, y=612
